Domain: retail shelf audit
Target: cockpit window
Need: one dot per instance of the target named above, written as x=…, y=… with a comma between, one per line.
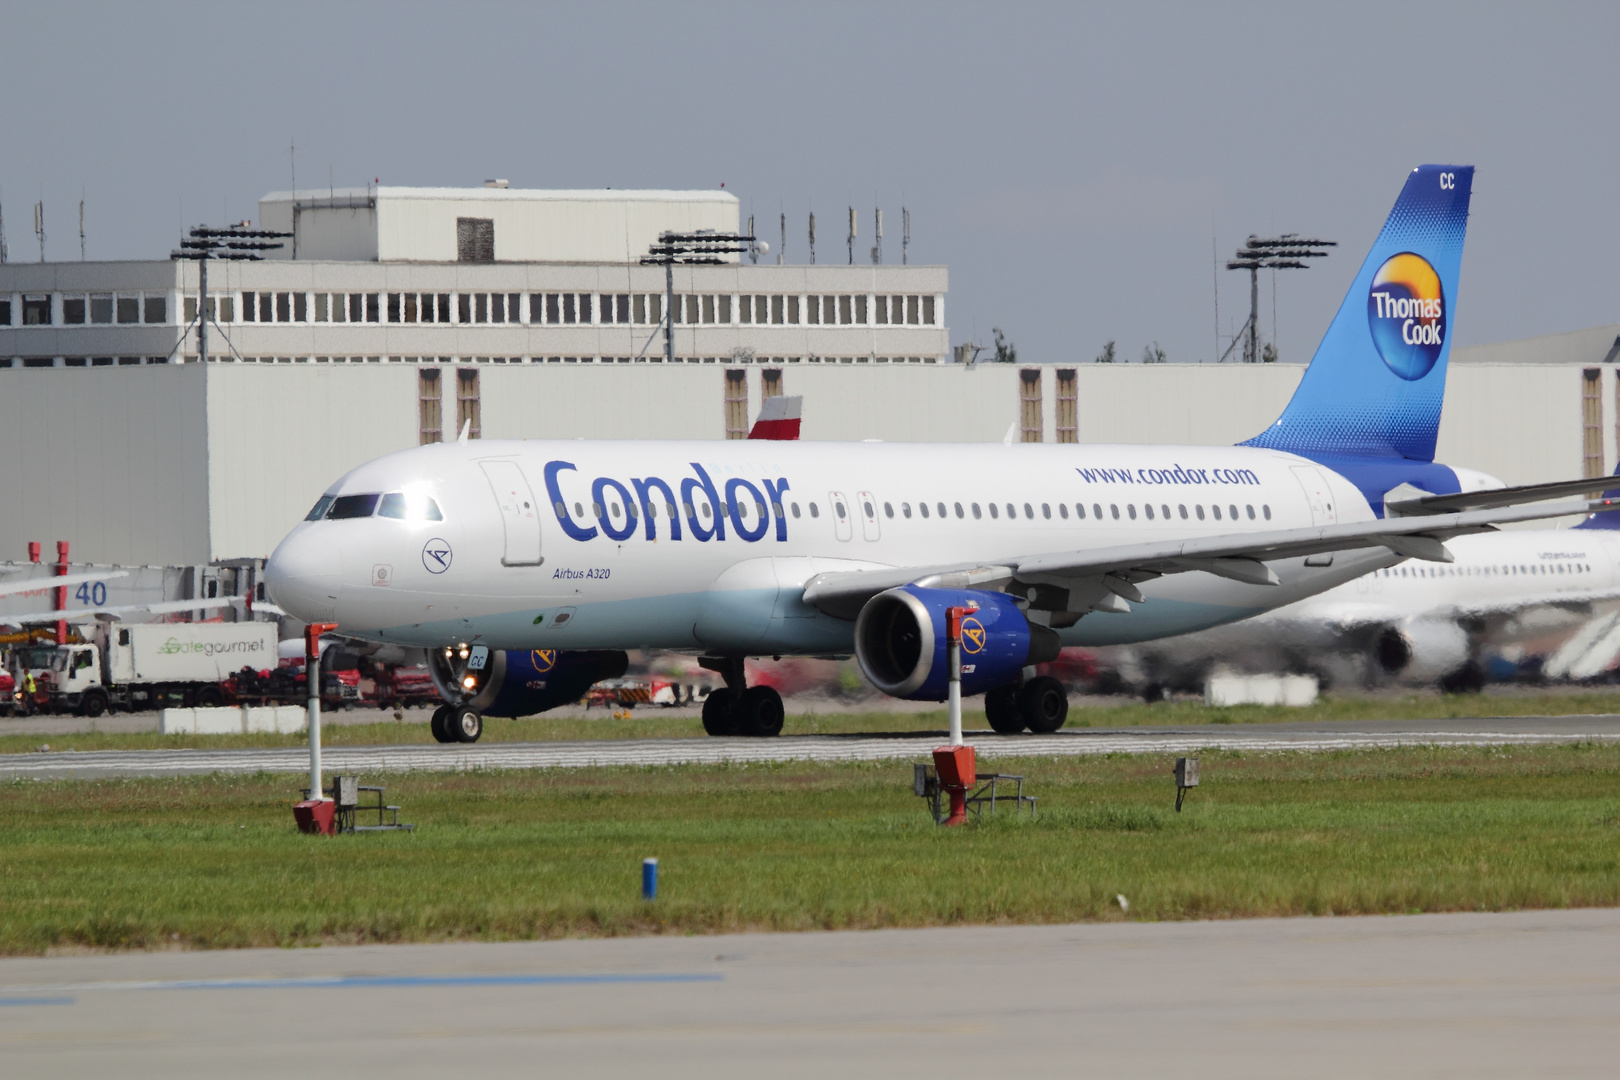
x=320, y=509
x=409, y=507
x=352, y=506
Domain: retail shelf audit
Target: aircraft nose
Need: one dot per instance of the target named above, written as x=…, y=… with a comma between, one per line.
x=303, y=575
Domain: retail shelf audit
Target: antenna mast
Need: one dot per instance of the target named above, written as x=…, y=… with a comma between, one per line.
x=877, y=248
x=39, y=227
x=812, y=238
x=905, y=236
x=851, y=236
x=81, y=230
x=781, y=252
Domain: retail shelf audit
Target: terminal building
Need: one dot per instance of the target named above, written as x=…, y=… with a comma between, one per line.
x=399, y=316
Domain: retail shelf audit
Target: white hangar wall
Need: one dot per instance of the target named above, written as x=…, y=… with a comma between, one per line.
x=114, y=460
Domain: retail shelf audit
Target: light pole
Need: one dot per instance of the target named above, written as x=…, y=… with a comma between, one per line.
x=236, y=243
x=1270, y=253
x=693, y=249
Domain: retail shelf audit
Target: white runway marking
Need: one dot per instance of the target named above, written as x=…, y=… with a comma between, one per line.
x=644, y=752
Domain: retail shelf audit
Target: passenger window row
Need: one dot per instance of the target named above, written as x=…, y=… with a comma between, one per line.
x=1501, y=570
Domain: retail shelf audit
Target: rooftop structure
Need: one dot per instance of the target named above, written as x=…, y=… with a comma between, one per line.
x=487, y=224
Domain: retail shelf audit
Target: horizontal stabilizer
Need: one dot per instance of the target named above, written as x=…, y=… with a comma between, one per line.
x=1487, y=500
x=778, y=419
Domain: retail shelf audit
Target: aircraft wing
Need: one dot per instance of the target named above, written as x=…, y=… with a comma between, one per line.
x=7, y=588
x=84, y=614
x=1102, y=579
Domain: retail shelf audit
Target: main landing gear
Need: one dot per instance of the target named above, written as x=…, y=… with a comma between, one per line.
x=740, y=709
x=1041, y=705
x=456, y=723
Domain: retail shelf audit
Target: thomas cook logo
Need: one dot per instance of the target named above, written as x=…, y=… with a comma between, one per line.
x=1406, y=311
x=543, y=659
x=436, y=556
x=973, y=636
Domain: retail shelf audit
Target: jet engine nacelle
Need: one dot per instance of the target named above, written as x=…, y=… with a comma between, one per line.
x=520, y=682
x=900, y=641
x=1422, y=650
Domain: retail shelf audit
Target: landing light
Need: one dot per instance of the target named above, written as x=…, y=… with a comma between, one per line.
x=469, y=682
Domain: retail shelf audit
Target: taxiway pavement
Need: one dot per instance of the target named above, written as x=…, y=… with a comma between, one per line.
x=1465, y=995
x=910, y=745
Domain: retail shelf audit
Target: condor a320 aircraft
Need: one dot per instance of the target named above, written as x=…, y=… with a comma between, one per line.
x=527, y=567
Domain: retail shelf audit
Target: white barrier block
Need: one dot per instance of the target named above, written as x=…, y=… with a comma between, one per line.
x=1299, y=690
x=1265, y=690
x=276, y=719
x=1225, y=690
x=221, y=721
x=178, y=722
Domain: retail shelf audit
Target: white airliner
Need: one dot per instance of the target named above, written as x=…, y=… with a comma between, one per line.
x=527, y=567
x=1429, y=622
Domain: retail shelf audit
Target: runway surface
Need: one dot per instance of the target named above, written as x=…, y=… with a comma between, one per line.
x=901, y=746
x=1475, y=995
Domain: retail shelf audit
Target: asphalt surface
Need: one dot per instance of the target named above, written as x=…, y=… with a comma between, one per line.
x=909, y=745
x=1470, y=995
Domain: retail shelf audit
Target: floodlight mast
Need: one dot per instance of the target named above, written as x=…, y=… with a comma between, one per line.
x=1269, y=253
x=236, y=243
x=690, y=249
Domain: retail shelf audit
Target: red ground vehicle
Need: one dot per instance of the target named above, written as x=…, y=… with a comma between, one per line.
x=401, y=686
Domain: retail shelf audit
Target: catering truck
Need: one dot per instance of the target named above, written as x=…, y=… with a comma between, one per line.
x=149, y=665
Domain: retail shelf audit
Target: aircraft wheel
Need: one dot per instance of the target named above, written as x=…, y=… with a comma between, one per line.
x=759, y=713
x=1001, y=709
x=1044, y=704
x=440, y=725
x=718, y=710
x=465, y=724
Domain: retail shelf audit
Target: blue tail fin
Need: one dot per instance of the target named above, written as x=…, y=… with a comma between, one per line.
x=1605, y=519
x=1375, y=385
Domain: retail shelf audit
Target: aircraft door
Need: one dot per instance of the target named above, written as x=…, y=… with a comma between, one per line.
x=841, y=515
x=1317, y=493
x=519, y=515
x=867, y=503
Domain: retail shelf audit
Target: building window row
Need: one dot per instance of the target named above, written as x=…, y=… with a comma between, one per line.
x=228, y=358
x=531, y=309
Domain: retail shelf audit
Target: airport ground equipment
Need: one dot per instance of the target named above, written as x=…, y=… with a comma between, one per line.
x=347, y=797
x=987, y=791
x=1186, y=778
x=317, y=811
x=649, y=879
x=955, y=762
x=148, y=665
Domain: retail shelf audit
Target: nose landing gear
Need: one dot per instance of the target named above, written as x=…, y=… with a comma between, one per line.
x=456, y=723
x=740, y=709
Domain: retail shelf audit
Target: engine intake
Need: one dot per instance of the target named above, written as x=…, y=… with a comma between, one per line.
x=900, y=641
x=521, y=682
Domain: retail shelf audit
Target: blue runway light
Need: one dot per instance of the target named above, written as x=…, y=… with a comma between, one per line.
x=649, y=879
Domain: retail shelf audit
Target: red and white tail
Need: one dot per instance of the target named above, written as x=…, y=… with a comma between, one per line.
x=778, y=418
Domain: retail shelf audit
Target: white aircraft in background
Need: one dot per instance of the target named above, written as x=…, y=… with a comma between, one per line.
x=1429, y=623
x=528, y=567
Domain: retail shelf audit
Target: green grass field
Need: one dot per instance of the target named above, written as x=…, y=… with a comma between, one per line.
x=651, y=723
x=216, y=862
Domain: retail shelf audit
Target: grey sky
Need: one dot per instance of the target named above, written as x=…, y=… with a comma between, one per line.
x=1070, y=163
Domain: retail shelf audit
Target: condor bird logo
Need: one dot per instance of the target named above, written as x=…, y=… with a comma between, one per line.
x=1406, y=312
x=973, y=635
x=436, y=556
x=543, y=659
